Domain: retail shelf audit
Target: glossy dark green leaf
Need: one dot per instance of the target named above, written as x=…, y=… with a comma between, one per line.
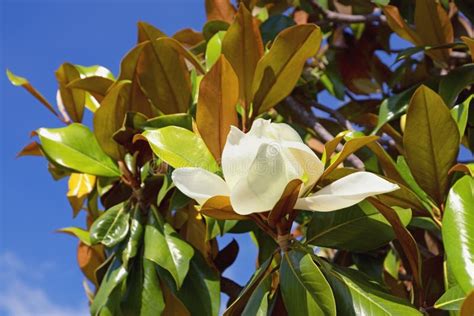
x=73, y=100
x=357, y=228
x=111, y=227
x=180, y=147
x=431, y=142
x=454, y=82
x=236, y=308
x=356, y=295
x=258, y=303
x=183, y=120
x=274, y=25
x=201, y=288
x=460, y=114
x=75, y=147
x=394, y=106
x=114, y=276
x=164, y=247
x=135, y=237
x=451, y=300
x=303, y=286
x=458, y=232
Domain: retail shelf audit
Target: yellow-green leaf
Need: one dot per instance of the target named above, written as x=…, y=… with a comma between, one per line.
x=109, y=118
x=431, y=142
x=23, y=82
x=216, y=112
x=243, y=47
x=279, y=70
x=80, y=185
x=73, y=100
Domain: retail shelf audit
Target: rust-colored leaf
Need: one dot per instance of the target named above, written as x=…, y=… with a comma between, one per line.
x=216, y=109
x=147, y=32
x=23, y=82
x=164, y=77
x=434, y=28
x=399, y=26
x=89, y=258
x=32, y=149
x=286, y=203
x=220, y=10
x=243, y=47
x=467, y=307
x=173, y=305
x=188, y=37
x=406, y=240
x=219, y=207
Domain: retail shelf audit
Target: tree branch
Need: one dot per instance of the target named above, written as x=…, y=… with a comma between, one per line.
x=331, y=16
x=308, y=118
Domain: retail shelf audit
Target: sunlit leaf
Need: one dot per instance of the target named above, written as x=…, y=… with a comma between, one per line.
x=75, y=147
x=243, y=48
x=111, y=227
x=164, y=247
x=451, y=299
x=303, y=286
x=80, y=185
x=279, y=70
x=73, y=100
x=180, y=147
x=431, y=142
x=216, y=112
x=458, y=232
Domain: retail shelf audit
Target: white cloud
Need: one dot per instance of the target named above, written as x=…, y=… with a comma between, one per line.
x=19, y=297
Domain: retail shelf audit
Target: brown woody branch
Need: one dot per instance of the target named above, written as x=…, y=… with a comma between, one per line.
x=336, y=17
x=308, y=118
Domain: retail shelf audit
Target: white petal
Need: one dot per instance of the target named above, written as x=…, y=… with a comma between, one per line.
x=286, y=133
x=263, y=185
x=311, y=166
x=239, y=152
x=345, y=192
x=199, y=184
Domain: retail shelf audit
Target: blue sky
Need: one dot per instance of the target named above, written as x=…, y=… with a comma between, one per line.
x=38, y=270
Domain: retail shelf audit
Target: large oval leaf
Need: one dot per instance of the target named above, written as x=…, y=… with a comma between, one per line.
x=357, y=228
x=75, y=147
x=164, y=77
x=431, y=142
x=279, y=70
x=216, y=112
x=72, y=100
x=243, y=47
x=355, y=295
x=303, y=286
x=164, y=247
x=458, y=232
x=180, y=147
x=111, y=227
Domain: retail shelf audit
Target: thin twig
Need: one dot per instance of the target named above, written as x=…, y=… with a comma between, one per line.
x=331, y=16
x=308, y=118
x=345, y=123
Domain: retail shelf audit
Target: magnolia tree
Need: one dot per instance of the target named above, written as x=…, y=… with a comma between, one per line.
x=359, y=207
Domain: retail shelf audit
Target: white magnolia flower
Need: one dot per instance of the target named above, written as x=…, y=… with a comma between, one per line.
x=258, y=165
